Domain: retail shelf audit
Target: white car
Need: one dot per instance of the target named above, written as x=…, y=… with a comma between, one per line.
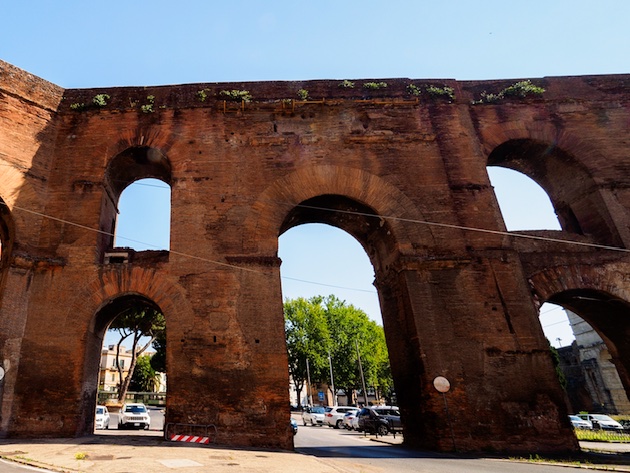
x=101, y=420
x=134, y=416
x=334, y=415
x=349, y=418
x=579, y=423
x=313, y=415
x=601, y=421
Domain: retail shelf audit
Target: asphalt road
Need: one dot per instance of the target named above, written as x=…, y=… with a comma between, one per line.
x=157, y=423
x=353, y=451
x=349, y=451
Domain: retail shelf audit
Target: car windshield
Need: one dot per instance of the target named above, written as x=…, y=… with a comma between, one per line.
x=100, y=410
x=318, y=410
x=135, y=409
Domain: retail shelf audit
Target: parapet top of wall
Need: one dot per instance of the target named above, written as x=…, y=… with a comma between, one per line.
x=17, y=82
x=20, y=83
x=575, y=88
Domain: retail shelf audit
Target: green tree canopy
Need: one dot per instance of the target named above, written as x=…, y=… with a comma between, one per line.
x=323, y=327
x=145, y=378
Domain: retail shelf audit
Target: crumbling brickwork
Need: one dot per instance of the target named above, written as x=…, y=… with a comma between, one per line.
x=409, y=173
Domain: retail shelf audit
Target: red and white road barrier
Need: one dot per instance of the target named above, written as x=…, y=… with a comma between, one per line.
x=190, y=438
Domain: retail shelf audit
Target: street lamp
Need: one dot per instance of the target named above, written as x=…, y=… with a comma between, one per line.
x=332, y=381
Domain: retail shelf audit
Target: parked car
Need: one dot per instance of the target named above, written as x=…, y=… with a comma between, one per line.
x=134, y=416
x=313, y=415
x=579, y=423
x=294, y=426
x=334, y=415
x=349, y=418
x=601, y=421
x=102, y=418
x=392, y=414
x=379, y=420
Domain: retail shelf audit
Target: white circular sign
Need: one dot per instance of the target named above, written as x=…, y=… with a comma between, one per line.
x=441, y=384
x=1, y=373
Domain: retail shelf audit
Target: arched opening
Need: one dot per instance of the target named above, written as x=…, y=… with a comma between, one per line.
x=571, y=189
x=331, y=245
x=128, y=167
x=110, y=365
x=600, y=354
x=144, y=219
x=523, y=202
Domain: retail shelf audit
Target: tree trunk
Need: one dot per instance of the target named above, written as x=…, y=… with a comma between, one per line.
x=124, y=387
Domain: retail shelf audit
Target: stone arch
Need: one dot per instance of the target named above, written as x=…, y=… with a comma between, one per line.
x=105, y=297
x=599, y=296
x=386, y=223
x=552, y=162
x=273, y=205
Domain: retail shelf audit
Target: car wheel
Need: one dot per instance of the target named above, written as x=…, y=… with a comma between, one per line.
x=338, y=424
x=381, y=430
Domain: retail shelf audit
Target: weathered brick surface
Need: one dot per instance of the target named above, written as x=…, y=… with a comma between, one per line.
x=456, y=303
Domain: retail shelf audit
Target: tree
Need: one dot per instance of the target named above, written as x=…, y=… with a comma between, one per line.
x=326, y=326
x=145, y=378
x=137, y=323
x=351, y=328
x=158, y=360
x=307, y=339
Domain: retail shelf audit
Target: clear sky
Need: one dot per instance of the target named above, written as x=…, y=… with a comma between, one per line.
x=79, y=44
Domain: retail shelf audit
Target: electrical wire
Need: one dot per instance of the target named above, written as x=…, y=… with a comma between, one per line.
x=293, y=205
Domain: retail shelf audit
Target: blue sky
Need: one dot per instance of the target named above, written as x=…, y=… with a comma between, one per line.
x=78, y=44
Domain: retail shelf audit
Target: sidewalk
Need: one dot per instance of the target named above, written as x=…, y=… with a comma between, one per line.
x=125, y=454
x=113, y=453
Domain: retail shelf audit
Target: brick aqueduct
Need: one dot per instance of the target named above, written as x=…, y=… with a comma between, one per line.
x=456, y=302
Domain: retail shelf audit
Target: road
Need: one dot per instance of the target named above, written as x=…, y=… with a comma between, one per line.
x=354, y=452
x=157, y=423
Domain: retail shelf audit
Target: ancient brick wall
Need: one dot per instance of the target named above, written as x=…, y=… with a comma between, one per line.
x=456, y=303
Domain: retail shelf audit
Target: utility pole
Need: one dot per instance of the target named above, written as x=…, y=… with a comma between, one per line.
x=332, y=381
x=365, y=399
x=308, y=385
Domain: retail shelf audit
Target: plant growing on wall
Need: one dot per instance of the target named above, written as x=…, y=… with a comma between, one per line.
x=148, y=107
x=413, y=90
x=100, y=100
x=77, y=107
x=520, y=90
x=202, y=94
x=375, y=85
x=440, y=92
x=236, y=95
x=346, y=84
x=302, y=94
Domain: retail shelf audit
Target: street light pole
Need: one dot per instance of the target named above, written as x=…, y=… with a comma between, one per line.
x=332, y=381
x=365, y=399
x=308, y=385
